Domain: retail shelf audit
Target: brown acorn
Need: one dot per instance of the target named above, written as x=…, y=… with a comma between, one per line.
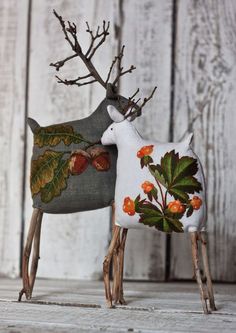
x=100, y=158
x=79, y=162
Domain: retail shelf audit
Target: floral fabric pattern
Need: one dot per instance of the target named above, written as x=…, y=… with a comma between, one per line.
x=173, y=177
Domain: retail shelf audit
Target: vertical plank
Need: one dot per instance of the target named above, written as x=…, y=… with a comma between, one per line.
x=205, y=89
x=73, y=246
x=13, y=34
x=146, y=32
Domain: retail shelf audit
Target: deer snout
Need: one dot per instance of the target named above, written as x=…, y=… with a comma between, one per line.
x=108, y=137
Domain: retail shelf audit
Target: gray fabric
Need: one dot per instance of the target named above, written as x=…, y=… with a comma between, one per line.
x=91, y=189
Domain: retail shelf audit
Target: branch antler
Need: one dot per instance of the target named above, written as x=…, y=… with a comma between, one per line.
x=92, y=49
x=135, y=109
x=97, y=39
x=120, y=71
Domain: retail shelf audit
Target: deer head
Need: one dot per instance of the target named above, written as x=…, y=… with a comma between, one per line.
x=123, y=120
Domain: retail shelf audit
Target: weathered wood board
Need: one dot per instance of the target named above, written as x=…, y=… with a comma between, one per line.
x=79, y=306
x=73, y=246
x=146, y=32
x=13, y=41
x=205, y=90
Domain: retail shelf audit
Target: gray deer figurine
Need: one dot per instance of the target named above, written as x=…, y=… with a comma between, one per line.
x=70, y=170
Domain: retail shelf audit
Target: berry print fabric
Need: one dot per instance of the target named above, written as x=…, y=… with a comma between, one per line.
x=159, y=185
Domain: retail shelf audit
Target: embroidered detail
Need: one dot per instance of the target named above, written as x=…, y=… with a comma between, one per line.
x=53, y=135
x=50, y=171
x=173, y=176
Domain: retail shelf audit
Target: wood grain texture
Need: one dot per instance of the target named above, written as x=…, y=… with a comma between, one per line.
x=13, y=36
x=73, y=246
x=205, y=89
x=146, y=32
x=60, y=306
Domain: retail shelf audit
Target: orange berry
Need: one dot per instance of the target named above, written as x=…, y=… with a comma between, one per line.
x=196, y=202
x=129, y=206
x=182, y=209
x=144, y=151
x=140, y=154
x=176, y=207
x=147, y=187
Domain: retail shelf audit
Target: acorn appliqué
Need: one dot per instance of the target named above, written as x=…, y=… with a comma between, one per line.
x=100, y=158
x=79, y=162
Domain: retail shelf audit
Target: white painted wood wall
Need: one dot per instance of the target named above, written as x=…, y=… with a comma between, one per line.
x=188, y=49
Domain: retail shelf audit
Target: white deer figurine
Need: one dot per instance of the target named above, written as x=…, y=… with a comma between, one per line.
x=158, y=185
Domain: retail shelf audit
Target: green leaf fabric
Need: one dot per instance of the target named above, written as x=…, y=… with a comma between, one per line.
x=42, y=170
x=177, y=175
x=58, y=183
x=53, y=135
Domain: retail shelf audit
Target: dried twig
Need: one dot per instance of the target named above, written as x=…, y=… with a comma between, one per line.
x=75, y=81
x=133, y=105
x=120, y=71
x=97, y=39
x=70, y=33
x=61, y=63
x=92, y=49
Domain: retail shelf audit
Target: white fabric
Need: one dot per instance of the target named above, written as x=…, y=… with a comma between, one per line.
x=130, y=176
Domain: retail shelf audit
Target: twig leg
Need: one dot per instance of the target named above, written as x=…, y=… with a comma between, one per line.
x=195, y=257
x=115, y=261
x=121, y=266
x=106, y=266
x=36, y=250
x=207, y=271
x=26, y=255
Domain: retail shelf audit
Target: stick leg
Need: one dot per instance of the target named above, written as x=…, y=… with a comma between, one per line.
x=207, y=271
x=36, y=250
x=195, y=257
x=26, y=255
x=121, y=266
x=106, y=266
x=115, y=262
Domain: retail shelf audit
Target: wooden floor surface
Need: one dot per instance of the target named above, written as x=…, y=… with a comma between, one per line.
x=78, y=306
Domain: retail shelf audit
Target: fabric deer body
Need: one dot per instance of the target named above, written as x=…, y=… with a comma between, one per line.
x=90, y=183
x=131, y=177
x=159, y=185
x=70, y=170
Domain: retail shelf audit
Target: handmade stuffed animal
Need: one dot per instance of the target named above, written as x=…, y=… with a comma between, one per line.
x=70, y=170
x=159, y=185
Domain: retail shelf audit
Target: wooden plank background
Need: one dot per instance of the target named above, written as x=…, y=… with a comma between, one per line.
x=188, y=49
x=13, y=40
x=205, y=90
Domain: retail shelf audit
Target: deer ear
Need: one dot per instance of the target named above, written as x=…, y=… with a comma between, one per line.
x=114, y=114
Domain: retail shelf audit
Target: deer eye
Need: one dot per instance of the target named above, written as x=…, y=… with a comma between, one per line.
x=111, y=128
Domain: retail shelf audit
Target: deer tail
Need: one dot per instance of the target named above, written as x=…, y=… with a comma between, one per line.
x=188, y=140
x=33, y=125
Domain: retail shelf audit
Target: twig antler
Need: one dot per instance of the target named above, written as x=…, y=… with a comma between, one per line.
x=135, y=110
x=97, y=39
x=120, y=71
